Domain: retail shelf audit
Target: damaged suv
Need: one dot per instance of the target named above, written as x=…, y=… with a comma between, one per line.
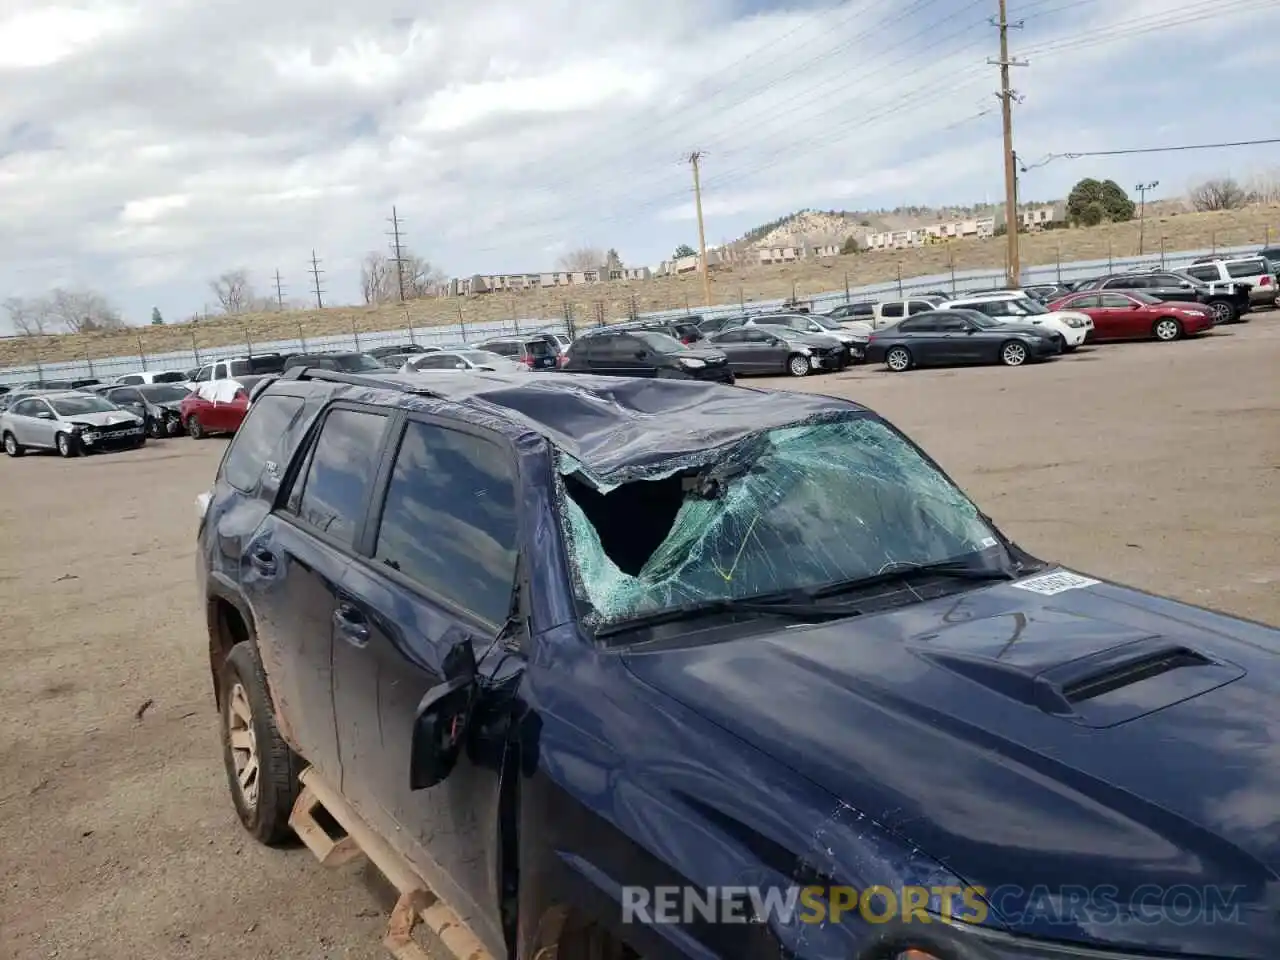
x=621, y=667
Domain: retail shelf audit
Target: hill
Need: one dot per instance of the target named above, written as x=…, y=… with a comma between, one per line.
x=741, y=283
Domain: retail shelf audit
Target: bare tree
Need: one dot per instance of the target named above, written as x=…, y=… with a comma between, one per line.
x=234, y=291
x=1265, y=187
x=78, y=310
x=1219, y=194
x=27, y=317
x=584, y=258
x=380, y=278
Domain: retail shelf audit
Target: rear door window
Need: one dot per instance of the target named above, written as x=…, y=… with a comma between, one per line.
x=891, y=310
x=257, y=440
x=339, y=475
x=1204, y=272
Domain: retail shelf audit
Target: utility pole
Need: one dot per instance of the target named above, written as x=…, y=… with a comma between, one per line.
x=395, y=246
x=695, y=159
x=1142, y=189
x=279, y=290
x=315, y=276
x=1006, y=96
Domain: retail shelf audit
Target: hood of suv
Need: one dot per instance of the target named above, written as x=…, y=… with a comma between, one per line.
x=1095, y=737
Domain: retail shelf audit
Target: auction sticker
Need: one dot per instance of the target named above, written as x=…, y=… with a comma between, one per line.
x=1060, y=581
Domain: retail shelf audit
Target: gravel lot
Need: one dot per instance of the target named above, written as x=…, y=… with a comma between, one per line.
x=1152, y=464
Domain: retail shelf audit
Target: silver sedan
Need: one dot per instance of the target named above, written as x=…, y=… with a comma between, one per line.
x=70, y=422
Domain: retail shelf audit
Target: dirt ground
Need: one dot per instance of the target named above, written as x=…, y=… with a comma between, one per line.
x=1152, y=464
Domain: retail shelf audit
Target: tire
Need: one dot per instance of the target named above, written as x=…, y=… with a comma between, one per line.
x=254, y=751
x=142, y=442
x=1166, y=329
x=898, y=359
x=11, y=445
x=798, y=365
x=1014, y=354
x=155, y=429
x=195, y=428
x=1224, y=312
x=68, y=446
x=1070, y=347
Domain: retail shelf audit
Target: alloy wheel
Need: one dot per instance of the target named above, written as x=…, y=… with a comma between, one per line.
x=799, y=366
x=1013, y=354
x=898, y=359
x=244, y=744
x=1167, y=330
x=10, y=445
x=1221, y=312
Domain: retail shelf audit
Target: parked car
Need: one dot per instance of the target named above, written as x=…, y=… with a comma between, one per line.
x=462, y=360
x=531, y=706
x=1272, y=254
x=852, y=334
x=398, y=349
x=220, y=407
x=152, y=376
x=158, y=404
x=1259, y=272
x=890, y=312
x=685, y=329
x=1045, y=292
x=864, y=311
x=644, y=353
x=535, y=351
x=953, y=337
x=344, y=361
x=1135, y=315
x=69, y=422
x=1229, y=301
x=778, y=350
x=1014, y=306
x=258, y=363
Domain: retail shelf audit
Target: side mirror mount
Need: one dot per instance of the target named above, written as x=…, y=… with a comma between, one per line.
x=440, y=728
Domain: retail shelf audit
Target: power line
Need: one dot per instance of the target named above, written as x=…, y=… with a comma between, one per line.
x=316, y=272
x=1173, y=149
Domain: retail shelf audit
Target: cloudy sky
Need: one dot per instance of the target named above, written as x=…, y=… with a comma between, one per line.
x=146, y=147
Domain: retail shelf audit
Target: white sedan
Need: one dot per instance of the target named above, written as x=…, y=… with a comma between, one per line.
x=1014, y=306
x=461, y=360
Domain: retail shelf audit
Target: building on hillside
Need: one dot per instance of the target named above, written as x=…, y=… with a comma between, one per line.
x=804, y=250
x=1042, y=217
x=681, y=265
x=941, y=232
x=517, y=282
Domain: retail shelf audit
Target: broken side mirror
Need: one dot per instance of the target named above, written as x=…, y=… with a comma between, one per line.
x=440, y=728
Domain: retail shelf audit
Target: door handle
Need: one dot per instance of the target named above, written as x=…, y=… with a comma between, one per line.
x=263, y=560
x=351, y=623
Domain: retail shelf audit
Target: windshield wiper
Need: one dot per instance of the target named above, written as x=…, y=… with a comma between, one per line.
x=792, y=605
x=911, y=571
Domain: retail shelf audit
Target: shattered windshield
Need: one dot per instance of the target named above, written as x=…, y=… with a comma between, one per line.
x=790, y=508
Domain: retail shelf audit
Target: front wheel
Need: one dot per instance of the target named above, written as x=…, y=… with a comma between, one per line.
x=195, y=428
x=262, y=771
x=11, y=446
x=1013, y=354
x=1069, y=347
x=68, y=446
x=1167, y=329
x=798, y=365
x=155, y=428
x=898, y=359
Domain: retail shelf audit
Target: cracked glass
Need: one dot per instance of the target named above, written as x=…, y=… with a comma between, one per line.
x=791, y=508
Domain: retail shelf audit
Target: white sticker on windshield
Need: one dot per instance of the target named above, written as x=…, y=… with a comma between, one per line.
x=1053, y=583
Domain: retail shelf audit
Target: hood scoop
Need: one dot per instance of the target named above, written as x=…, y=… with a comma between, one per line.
x=1088, y=671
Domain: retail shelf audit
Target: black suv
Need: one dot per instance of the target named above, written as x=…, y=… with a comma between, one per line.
x=688, y=330
x=1229, y=301
x=618, y=668
x=537, y=351
x=344, y=361
x=644, y=353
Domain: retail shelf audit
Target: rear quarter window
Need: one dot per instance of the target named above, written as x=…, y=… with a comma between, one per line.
x=1247, y=268
x=258, y=440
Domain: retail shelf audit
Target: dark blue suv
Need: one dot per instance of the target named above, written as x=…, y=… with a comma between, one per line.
x=632, y=667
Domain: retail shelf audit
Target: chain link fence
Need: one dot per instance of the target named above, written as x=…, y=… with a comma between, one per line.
x=575, y=315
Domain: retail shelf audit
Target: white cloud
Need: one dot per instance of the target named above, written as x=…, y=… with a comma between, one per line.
x=145, y=149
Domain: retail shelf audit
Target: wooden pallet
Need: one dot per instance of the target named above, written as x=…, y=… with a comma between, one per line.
x=417, y=903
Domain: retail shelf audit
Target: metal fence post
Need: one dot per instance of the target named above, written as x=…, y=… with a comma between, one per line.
x=899, y=279
x=142, y=354
x=847, y=297
x=1213, y=241
x=408, y=322
x=355, y=334
x=1162, y=253
x=1110, y=268
x=88, y=359
x=248, y=339
x=302, y=337
x=742, y=298
x=951, y=261
x=1059, y=263
x=462, y=323
x=195, y=350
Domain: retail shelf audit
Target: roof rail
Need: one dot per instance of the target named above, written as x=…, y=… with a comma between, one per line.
x=354, y=379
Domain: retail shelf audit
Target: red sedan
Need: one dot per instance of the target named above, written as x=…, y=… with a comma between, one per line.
x=216, y=406
x=1132, y=315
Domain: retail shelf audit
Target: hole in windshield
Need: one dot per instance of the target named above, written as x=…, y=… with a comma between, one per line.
x=792, y=508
